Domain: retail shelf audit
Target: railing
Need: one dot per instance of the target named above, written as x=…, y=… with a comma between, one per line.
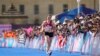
x=72, y=44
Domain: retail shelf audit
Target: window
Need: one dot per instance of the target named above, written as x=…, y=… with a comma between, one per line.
x=51, y=11
x=65, y=8
x=3, y=8
x=21, y=9
x=36, y=9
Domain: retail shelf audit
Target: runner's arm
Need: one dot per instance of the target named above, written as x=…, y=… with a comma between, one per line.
x=42, y=27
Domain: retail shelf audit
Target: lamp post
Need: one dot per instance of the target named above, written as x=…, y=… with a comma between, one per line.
x=78, y=5
x=99, y=5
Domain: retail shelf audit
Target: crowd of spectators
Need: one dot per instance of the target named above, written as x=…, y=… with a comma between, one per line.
x=81, y=34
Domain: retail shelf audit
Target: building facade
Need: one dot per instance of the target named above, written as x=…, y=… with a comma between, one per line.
x=35, y=11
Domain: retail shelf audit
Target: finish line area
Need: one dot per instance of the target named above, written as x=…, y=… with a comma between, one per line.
x=34, y=52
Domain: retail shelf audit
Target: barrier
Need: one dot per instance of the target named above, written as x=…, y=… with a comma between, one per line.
x=73, y=43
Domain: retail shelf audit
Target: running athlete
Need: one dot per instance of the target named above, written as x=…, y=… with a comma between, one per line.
x=48, y=28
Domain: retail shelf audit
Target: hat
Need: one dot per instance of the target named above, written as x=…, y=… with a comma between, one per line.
x=94, y=29
x=57, y=22
x=64, y=22
x=94, y=26
x=81, y=17
x=84, y=27
x=82, y=22
x=53, y=17
x=71, y=20
x=97, y=17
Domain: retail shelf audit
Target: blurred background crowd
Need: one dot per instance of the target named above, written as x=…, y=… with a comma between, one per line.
x=81, y=34
x=77, y=30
